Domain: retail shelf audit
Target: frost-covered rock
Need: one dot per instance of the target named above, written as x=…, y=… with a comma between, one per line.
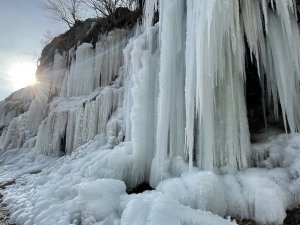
x=15, y=105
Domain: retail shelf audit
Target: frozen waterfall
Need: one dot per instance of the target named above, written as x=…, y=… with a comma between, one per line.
x=162, y=103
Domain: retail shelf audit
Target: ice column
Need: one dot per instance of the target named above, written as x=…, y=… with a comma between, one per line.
x=81, y=79
x=170, y=139
x=142, y=66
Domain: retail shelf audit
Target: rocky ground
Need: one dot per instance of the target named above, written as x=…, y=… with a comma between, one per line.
x=293, y=218
x=4, y=215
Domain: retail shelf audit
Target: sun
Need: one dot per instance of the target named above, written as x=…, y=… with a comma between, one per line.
x=22, y=75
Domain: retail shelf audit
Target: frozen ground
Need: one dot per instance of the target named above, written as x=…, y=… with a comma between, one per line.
x=4, y=215
x=89, y=188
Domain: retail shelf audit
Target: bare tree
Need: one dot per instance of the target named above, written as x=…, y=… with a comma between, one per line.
x=108, y=7
x=63, y=10
x=47, y=38
x=130, y=4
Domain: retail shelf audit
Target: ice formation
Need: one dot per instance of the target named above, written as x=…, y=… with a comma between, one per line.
x=15, y=105
x=163, y=104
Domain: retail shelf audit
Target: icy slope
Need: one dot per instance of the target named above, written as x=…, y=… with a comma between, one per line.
x=160, y=104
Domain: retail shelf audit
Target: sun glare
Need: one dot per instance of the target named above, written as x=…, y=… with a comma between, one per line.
x=22, y=75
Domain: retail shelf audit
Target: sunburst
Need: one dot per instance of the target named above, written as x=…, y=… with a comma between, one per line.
x=22, y=74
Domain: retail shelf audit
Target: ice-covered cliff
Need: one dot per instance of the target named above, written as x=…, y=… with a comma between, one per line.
x=165, y=104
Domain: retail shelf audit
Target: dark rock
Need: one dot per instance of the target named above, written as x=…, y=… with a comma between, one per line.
x=255, y=95
x=246, y=222
x=4, y=214
x=293, y=217
x=140, y=188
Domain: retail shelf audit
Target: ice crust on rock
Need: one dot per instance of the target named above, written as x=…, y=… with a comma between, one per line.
x=71, y=123
x=15, y=105
x=94, y=67
x=161, y=103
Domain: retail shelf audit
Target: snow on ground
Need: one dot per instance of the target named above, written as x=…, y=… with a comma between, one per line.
x=91, y=188
x=77, y=189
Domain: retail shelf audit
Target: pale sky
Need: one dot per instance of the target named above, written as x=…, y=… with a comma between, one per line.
x=23, y=25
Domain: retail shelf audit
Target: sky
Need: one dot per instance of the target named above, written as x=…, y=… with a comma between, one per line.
x=23, y=24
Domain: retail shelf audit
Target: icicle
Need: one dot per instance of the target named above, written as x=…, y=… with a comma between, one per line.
x=81, y=80
x=295, y=10
x=58, y=72
x=283, y=10
x=253, y=26
x=272, y=5
x=67, y=128
x=51, y=134
x=151, y=6
x=265, y=13
x=283, y=68
x=109, y=57
x=92, y=68
x=171, y=104
x=190, y=83
x=214, y=75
